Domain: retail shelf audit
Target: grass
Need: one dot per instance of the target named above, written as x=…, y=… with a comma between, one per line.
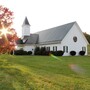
x=44, y=73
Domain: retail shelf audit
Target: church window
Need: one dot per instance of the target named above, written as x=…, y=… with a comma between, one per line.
x=84, y=49
x=54, y=48
x=48, y=48
x=75, y=39
x=65, y=49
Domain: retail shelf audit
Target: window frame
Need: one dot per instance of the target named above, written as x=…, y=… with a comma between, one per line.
x=54, y=48
x=65, y=49
x=84, y=48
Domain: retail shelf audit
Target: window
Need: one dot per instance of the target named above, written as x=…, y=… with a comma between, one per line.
x=48, y=48
x=55, y=48
x=65, y=49
x=84, y=49
x=75, y=39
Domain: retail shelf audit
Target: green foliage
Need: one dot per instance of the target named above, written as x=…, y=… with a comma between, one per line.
x=72, y=53
x=37, y=51
x=82, y=53
x=43, y=73
x=57, y=53
x=43, y=51
x=29, y=52
x=22, y=52
x=87, y=37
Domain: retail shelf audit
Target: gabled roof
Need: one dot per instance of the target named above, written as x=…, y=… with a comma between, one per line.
x=26, y=22
x=49, y=36
x=54, y=34
x=32, y=39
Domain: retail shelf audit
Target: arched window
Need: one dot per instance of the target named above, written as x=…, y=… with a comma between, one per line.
x=75, y=39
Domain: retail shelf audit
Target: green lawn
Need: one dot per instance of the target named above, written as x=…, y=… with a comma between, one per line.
x=44, y=73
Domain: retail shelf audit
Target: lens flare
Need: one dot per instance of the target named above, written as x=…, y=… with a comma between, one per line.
x=54, y=57
x=4, y=32
x=77, y=69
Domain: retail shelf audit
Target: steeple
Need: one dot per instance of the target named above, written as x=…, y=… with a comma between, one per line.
x=26, y=22
x=25, y=28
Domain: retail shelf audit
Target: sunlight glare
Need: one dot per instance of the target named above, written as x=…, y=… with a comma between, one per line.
x=4, y=32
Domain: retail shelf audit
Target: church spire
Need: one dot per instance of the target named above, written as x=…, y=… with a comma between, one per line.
x=26, y=22
x=26, y=28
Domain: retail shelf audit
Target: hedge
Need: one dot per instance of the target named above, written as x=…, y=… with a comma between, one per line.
x=72, y=53
x=82, y=53
x=22, y=52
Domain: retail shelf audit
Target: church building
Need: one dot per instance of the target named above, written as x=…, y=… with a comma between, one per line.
x=67, y=37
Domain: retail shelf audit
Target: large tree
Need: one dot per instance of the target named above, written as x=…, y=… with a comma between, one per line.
x=87, y=36
x=8, y=35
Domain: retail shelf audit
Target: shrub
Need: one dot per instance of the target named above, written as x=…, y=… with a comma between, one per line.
x=24, y=53
x=43, y=50
x=52, y=52
x=18, y=52
x=73, y=53
x=29, y=52
x=57, y=53
x=82, y=53
x=38, y=53
x=37, y=49
x=60, y=53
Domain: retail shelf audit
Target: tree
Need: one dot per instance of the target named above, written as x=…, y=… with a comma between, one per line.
x=87, y=37
x=8, y=35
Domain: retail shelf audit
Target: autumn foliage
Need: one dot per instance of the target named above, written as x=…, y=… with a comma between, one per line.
x=8, y=35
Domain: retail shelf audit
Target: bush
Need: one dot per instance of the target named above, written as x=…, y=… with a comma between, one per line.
x=57, y=53
x=73, y=53
x=37, y=51
x=29, y=52
x=22, y=52
x=82, y=53
x=52, y=52
x=60, y=53
x=43, y=50
x=18, y=52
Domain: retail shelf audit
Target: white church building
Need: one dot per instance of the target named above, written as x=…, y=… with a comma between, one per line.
x=67, y=37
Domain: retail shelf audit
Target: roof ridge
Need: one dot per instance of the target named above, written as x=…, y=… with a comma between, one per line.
x=56, y=27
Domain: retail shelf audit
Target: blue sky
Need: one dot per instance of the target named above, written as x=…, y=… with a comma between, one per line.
x=44, y=14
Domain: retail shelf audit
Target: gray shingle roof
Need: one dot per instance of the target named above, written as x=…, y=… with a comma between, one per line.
x=32, y=39
x=54, y=34
x=49, y=36
x=26, y=22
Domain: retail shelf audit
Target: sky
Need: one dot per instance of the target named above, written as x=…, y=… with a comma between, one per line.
x=44, y=14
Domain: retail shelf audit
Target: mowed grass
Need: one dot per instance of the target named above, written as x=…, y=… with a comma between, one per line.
x=44, y=73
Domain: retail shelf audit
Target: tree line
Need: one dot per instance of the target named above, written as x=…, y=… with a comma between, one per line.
x=87, y=36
